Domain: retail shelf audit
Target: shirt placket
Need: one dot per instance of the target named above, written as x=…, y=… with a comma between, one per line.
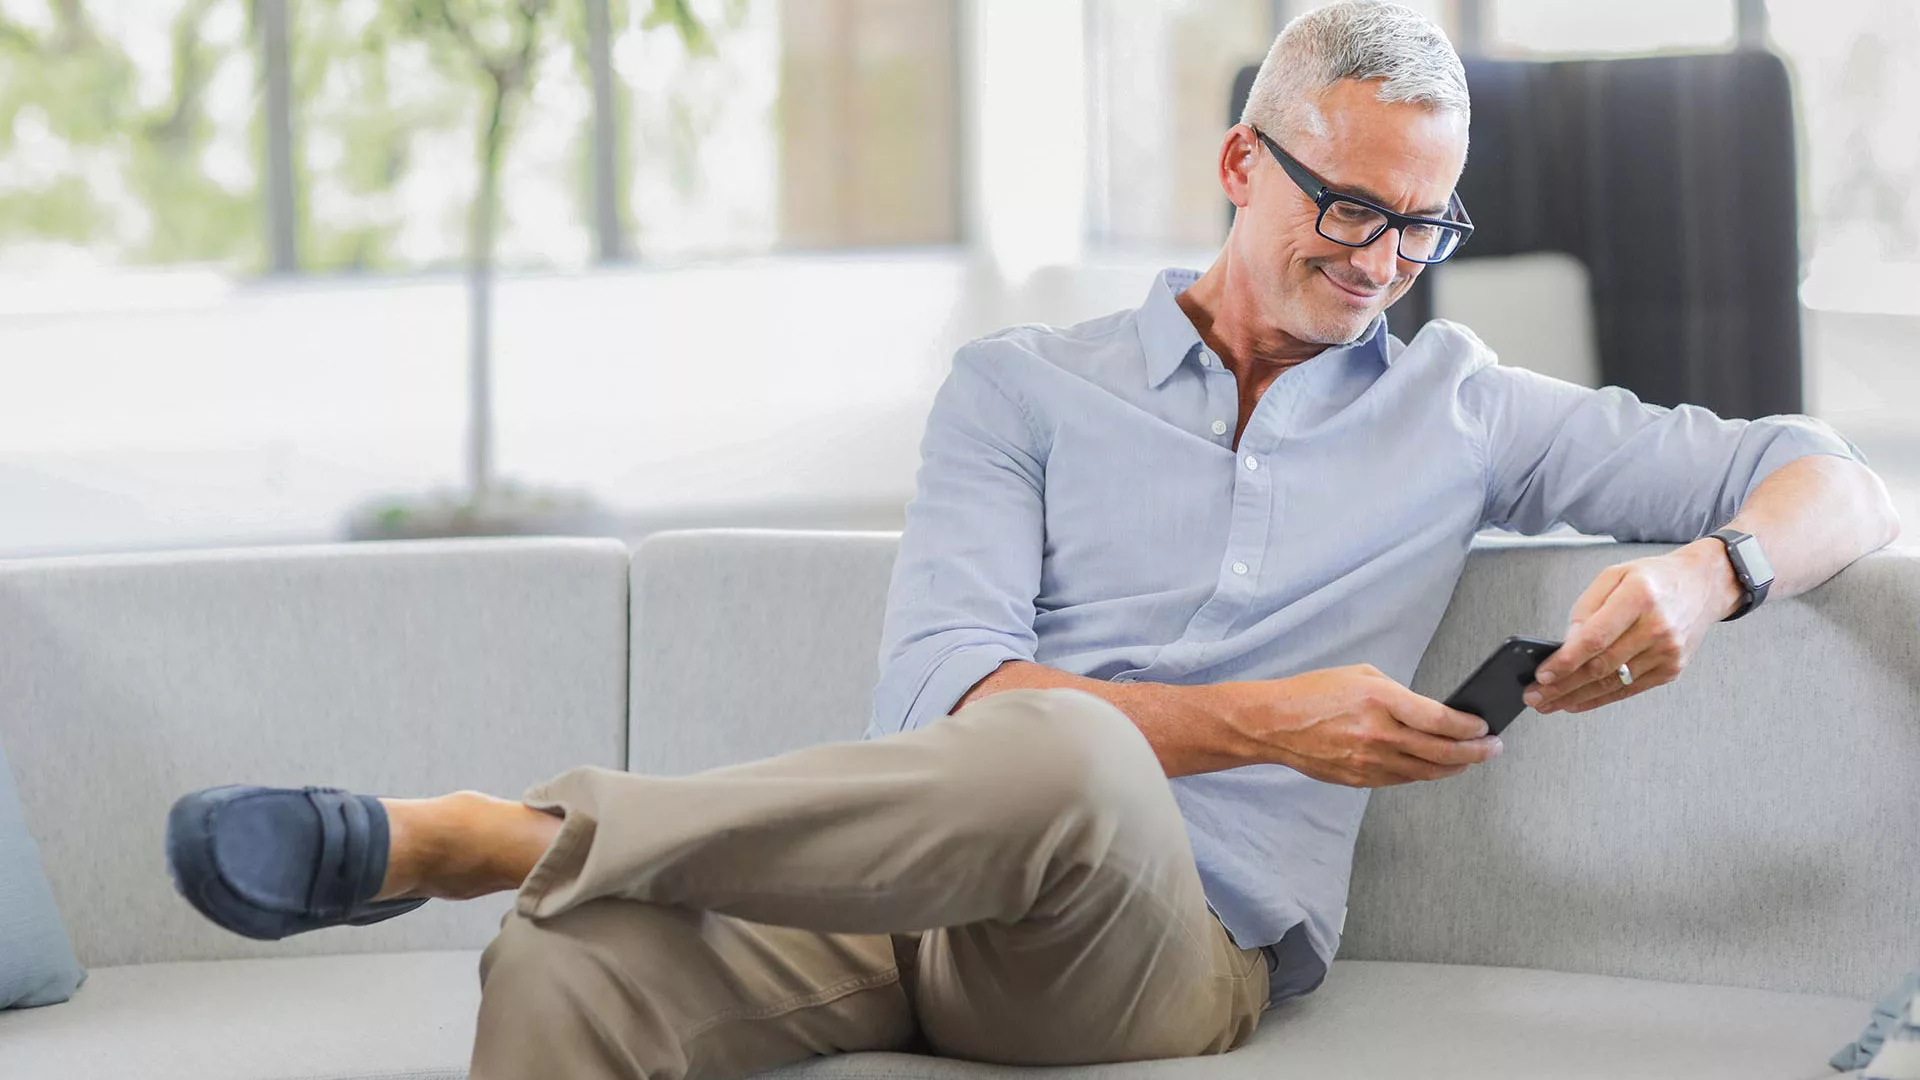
x=1250, y=523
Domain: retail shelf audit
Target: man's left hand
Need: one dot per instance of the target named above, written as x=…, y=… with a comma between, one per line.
x=1649, y=614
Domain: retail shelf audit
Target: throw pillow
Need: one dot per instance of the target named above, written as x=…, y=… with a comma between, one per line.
x=1887, y=1016
x=37, y=966
x=1899, y=1056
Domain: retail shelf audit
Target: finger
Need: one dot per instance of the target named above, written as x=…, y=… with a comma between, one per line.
x=1584, y=608
x=1422, y=713
x=1412, y=769
x=1641, y=684
x=1596, y=594
x=1594, y=693
x=1443, y=722
x=1597, y=701
x=1587, y=640
x=1643, y=666
x=1592, y=635
x=1438, y=751
x=1598, y=675
x=1649, y=672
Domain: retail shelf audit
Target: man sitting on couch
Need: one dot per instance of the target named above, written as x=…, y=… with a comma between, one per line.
x=1162, y=583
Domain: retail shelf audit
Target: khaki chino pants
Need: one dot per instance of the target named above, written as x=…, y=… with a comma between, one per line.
x=1012, y=883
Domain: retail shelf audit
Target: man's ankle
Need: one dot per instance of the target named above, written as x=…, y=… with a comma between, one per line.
x=462, y=845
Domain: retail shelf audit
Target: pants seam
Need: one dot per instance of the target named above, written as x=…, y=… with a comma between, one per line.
x=824, y=995
x=1128, y=869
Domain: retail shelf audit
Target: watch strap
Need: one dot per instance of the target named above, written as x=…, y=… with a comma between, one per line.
x=1752, y=593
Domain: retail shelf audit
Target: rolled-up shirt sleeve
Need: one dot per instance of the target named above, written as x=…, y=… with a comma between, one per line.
x=961, y=601
x=1607, y=463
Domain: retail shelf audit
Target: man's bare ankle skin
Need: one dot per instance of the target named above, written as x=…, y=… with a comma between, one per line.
x=462, y=845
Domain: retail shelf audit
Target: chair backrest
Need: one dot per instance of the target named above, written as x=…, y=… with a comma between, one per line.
x=395, y=669
x=1752, y=824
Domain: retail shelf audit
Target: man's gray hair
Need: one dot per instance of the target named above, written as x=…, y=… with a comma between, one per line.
x=1354, y=39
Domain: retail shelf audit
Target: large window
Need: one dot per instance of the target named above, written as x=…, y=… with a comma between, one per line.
x=869, y=133
x=346, y=135
x=383, y=136
x=127, y=134
x=1859, y=97
x=1859, y=102
x=700, y=168
x=229, y=231
x=1159, y=81
x=1564, y=27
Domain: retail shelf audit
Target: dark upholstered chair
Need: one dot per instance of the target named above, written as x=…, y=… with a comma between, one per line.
x=1672, y=178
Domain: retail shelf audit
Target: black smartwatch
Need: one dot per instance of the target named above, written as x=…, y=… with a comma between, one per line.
x=1750, y=568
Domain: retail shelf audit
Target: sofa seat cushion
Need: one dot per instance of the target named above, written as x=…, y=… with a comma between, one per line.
x=1374, y=1019
x=394, y=1016
x=410, y=1016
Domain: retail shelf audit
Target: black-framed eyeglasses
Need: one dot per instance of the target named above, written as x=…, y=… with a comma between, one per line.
x=1356, y=222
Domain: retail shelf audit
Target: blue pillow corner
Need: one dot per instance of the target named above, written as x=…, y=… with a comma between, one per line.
x=1886, y=1015
x=37, y=963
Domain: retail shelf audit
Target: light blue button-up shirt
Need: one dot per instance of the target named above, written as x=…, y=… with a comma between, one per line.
x=1081, y=504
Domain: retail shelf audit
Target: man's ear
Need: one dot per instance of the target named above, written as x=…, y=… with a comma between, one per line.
x=1238, y=153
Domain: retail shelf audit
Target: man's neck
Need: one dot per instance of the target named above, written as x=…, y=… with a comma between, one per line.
x=1224, y=307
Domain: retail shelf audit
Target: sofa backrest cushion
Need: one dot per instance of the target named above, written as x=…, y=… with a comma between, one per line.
x=1751, y=824
x=402, y=669
x=752, y=642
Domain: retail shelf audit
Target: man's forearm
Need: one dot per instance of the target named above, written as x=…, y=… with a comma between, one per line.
x=1814, y=516
x=1185, y=725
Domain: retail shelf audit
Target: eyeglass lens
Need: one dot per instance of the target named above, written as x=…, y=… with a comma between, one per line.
x=1355, y=225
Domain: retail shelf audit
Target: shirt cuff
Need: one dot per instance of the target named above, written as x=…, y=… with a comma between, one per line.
x=951, y=678
x=1800, y=436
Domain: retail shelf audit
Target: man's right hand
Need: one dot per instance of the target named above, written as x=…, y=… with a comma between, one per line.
x=1355, y=726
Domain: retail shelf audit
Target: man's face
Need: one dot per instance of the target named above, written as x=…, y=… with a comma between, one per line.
x=1405, y=157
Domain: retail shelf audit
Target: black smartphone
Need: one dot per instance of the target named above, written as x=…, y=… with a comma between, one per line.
x=1492, y=692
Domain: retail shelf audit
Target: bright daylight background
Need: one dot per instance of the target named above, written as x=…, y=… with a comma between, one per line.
x=231, y=234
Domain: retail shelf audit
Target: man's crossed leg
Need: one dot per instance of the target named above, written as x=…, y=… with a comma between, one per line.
x=1012, y=883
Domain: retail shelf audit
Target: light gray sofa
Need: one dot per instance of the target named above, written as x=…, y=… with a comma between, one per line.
x=1709, y=881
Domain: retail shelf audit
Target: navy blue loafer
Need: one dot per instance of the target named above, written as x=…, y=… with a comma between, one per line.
x=269, y=862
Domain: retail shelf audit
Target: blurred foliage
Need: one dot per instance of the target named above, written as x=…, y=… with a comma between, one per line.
x=84, y=162
x=357, y=117
x=70, y=93
x=484, y=56
x=697, y=36
x=1873, y=189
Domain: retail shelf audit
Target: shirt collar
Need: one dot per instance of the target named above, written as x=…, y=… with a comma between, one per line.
x=1374, y=343
x=1167, y=336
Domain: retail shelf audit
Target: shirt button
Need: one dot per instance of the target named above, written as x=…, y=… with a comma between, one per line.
x=1219, y=427
x=1239, y=568
x=1253, y=463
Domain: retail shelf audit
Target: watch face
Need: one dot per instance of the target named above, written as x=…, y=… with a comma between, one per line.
x=1754, y=561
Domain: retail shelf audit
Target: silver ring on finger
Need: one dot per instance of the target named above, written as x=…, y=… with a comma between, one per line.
x=1626, y=675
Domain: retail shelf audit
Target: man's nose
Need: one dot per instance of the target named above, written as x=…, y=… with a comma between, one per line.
x=1379, y=260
